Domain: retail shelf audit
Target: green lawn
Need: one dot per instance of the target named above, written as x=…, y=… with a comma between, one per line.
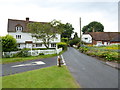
x=20, y=59
x=50, y=77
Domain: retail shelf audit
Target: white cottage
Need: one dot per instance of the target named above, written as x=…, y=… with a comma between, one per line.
x=101, y=38
x=87, y=38
x=18, y=29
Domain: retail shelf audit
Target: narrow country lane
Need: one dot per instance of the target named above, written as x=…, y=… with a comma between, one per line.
x=90, y=72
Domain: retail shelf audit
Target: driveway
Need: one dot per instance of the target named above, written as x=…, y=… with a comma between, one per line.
x=17, y=67
x=90, y=72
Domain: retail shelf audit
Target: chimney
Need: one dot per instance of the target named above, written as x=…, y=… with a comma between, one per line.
x=93, y=30
x=27, y=19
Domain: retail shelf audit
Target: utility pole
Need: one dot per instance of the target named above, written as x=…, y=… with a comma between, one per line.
x=80, y=31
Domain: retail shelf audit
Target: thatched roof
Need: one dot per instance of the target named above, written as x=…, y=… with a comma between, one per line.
x=106, y=36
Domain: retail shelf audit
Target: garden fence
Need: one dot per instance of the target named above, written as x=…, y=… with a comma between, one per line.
x=33, y=52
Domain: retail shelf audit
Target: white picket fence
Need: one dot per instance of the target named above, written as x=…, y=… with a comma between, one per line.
x=45, y=52
x=36, y=52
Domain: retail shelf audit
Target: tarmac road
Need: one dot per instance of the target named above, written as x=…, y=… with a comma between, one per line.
x=90, y=72
x=18, y=67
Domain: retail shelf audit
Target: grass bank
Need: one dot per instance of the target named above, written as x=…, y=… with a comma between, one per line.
x=50, y=77
x=20, y=59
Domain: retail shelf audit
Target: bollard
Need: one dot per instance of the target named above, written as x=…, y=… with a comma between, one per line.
x=59, y=63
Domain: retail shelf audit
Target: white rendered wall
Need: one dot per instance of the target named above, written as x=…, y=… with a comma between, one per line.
x=28, y=37
x=89, y=40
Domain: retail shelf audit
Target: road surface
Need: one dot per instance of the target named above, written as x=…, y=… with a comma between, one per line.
x=90, y=72
x=18, y=67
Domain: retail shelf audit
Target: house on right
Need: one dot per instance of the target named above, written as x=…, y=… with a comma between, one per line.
x=104, y=38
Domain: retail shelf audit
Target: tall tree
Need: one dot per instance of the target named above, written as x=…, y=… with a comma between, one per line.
x=68, y=30
x=9, y=43
x=75, y=35
x=93, y=27
x=46, y=31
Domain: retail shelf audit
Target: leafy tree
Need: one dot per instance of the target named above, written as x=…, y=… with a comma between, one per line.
x=68, y=30
x=46, y=31
x=75, y=35
x=93, y=27
x=62, y=45
x=64, y=40
x=74, y=41
x=9, y=43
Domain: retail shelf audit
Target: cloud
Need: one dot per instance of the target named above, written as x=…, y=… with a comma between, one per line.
x=66, y=11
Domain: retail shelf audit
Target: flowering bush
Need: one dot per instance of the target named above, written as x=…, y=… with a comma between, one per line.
x=106, y=54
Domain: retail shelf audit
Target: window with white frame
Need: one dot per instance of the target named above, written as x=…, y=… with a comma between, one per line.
x=18, y=36
x=53, y=45
x=99, y=42
x=86, y=38
x=18, y=28
x=39, y=45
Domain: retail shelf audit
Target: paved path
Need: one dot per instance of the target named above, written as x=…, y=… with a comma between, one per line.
x=90, y=72
x=18, y=67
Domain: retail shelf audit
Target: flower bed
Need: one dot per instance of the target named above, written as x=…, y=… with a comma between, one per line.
x=107, y=53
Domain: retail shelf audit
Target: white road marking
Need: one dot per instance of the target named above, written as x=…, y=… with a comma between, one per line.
x=29, y=64
x=63, y=60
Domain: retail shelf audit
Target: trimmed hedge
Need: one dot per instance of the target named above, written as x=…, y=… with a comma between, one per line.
x=62, y=45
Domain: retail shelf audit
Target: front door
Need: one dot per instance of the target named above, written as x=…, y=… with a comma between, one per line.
x=28, y=45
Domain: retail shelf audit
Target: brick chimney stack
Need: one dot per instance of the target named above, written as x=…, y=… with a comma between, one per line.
x=27, y=19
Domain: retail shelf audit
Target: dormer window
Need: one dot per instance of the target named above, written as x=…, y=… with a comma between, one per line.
x=19, y=28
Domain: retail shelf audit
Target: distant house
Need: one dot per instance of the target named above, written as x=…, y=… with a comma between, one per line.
x=87, y=38
x=18, y=29
x=103, y=38
x=115, y=40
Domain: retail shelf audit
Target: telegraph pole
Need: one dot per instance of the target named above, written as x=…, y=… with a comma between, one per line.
x=80, y=31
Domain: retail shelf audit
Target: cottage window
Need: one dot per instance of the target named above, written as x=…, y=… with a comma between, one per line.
x=86, y=38
x=18, y=36
x=53, y=45
x=39, y=45
x=19, y=28
x=99, y=42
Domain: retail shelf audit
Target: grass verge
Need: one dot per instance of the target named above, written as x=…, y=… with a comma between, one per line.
x=20, y=59
x=50, y=77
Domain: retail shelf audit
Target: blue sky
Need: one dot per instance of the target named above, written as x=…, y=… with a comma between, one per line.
x=104, y=11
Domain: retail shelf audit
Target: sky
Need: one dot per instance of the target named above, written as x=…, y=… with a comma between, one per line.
x=67, y=11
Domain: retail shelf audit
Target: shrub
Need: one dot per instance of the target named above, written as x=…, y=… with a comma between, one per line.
x=83, y=49
x=62, y=45
x=23, y=53
x=41, y=53
x=74, y=41
x=64, y=40
x=9, y=43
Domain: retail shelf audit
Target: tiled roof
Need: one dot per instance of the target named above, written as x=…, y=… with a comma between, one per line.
x=104, y=35
x=116, y=39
